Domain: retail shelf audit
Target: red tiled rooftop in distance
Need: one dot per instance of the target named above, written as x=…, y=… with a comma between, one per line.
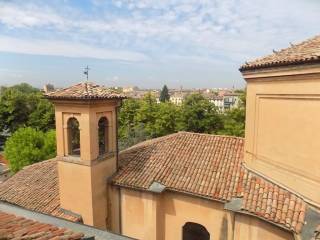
x=15, y=227
x=85, y=91
x=304, y=52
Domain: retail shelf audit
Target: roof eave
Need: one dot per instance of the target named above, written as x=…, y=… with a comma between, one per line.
x=83, y=98
x=269, y=65
x=295, y=69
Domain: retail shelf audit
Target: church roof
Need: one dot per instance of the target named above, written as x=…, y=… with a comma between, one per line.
x=305, y=52
x=208, y=166
x=200, y=165
x=83, y=91
x=36, y=188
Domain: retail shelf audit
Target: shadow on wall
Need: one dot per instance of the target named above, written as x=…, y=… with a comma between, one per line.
x=224, y=229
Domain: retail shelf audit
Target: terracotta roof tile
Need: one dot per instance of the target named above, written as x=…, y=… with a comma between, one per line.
x=19, y=228
x=305, y=52
x=202, y=165
x=208, y=166
x=84, y=90
x=35, y=188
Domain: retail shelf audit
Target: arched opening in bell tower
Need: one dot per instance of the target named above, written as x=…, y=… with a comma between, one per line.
x=73, y=137
x=103, y=135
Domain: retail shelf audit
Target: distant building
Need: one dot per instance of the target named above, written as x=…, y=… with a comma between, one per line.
x=218, y=102
x=130, y=89
x=48, y=88
x=177, y=98
x=231, y=100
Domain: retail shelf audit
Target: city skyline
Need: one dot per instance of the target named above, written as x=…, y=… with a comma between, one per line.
x=195, y=44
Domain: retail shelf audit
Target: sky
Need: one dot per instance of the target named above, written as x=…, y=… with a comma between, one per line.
x=146, y=43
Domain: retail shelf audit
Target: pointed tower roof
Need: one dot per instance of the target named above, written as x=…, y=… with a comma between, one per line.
x=86, y=90
x=305, y=52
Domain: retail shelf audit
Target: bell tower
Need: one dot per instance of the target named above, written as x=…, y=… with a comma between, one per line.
x=86, y=132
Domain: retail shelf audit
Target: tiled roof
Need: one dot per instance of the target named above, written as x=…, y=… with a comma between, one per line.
x=305, y=52
x=36, y=188
x=208, y=166
x=84, y=90
x=201, y=165
x=20, y=228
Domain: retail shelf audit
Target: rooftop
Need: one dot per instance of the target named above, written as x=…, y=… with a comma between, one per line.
x=211, y=167
x=85, y=90
x=18, y=223
x=16, y=227
x=36, y=188
x=304, y=52
x=202, y=165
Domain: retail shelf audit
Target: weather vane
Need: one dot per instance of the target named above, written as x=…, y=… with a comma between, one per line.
x=86, y=72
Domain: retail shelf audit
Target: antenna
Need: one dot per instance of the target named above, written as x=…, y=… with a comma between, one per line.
x=86, y=72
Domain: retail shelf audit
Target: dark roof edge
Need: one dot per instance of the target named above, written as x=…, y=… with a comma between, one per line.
x=312, y=60
x=166, y=137
x=88, y=231
x=83, y=98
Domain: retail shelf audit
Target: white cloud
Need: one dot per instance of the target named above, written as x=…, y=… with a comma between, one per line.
x=231, y=29
x=16, y=16
x=67, y=49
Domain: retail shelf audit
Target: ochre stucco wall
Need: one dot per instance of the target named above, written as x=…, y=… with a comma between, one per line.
x=162, y=216
x=247, y=227
x=179, y=209
x=283, y=130
x=83, y=180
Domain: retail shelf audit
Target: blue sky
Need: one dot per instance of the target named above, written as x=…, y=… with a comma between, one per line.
x=147, y=43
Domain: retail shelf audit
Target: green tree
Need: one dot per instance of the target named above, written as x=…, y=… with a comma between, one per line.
x=164, y=95
x=199, y=115
x=130, y=131
x=133, y=136
x=147, y=113
x=21, y=106
x=127, y=115
x=27, y=146
x=50, y=146
x=234, y=122
x=166, y=119
x=42, y=117
x=14, y=109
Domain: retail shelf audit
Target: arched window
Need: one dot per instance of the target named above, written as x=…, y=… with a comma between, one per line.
x=194, y=231
x=103, y=135
x=73, y=137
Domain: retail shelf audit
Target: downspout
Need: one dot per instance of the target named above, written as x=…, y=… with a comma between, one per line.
x=117, y=168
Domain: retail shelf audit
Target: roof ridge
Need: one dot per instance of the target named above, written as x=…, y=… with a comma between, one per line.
x=307, y=51
x=148, y=142
x=40, y=163
x=212, y=135
x=85, y=91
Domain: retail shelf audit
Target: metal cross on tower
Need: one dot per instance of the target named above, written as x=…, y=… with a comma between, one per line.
x=86, y=72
